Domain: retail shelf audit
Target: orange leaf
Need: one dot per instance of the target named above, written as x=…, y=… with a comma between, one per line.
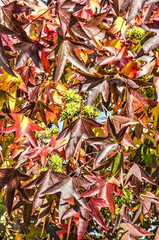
x=45, y=62
x=139, y=112
x=130, y=69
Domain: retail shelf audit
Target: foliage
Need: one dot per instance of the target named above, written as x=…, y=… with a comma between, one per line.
x=79, y=119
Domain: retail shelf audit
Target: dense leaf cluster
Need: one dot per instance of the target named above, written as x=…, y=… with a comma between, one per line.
x=79, y=119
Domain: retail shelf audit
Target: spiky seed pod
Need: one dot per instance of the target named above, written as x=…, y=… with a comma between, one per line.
x=136, y=32
x=72, y=96
x=90, y=111
x=57, y=162
x=71, y=110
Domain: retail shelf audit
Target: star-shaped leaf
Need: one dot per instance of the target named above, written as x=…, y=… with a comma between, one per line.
x=145, y=205
x=94, y=85
x=42, y=152
x=44, y=181
x=4, y=63
x=65, y=9
x=66, y=52
x=12, y=22
x=28, y=73
x=29, y=50
x=135, y=7
x=104, y=190
x=95, y=205
x=27, y=209
x=23, y=126
x=11, y=178
x=34, y=108
x=120, y=55
x=15, y=7
x=133, y=230
x=92, y=28
x=11, y=83
x=135, y=176
x=109, y=143
x=152, y=42
x=67, y=187
x=82, y=126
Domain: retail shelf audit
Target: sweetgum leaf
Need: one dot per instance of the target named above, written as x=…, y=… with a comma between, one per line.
x=4, y=63
x=15, y=7
x=139, y=173
x=6, y=31
x=23, y=126
x=65, y=9
x=42, y=152
x=27, y=210
x=67, y=187
x=133, y=230
x=28, y=73
x=92, y=27
x=34, y=108
x=45, y=180
x=104, y=189
x=11, y=178
x=109, y=143
x=93, y=85
x=14, y=24
x=81, y=127
x=95, y=204
x=29, y=50
x=135, y=7
x=145, y=206
x=152, y=42
x=66, y=51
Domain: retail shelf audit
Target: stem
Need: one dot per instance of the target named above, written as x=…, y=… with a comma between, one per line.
x=40, y=16
x=146, y=196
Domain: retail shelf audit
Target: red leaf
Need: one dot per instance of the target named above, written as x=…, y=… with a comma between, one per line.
x=45, y=62
x=23, y=126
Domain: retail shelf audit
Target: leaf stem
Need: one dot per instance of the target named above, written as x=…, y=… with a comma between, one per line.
x=40, y=16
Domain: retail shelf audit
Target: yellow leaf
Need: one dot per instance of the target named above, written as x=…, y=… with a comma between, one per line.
x=10, y=84
x=154, y=116
x=98, y=41
x=57, y=98
x=130, y=69
x=99, y=132
x=120, y=25
x=136, y=207
x=149, y=137
x=113, y=43
x=93, y=5
x=107, y=43
x=61, y=88
x=81, y=55
x=20, y=140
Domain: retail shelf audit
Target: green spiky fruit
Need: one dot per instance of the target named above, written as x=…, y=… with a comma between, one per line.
x=128, y=196
x=148, y=92
x=136, y=32
x=90, y=111
x=72, y=96
x=54, y=130
x=57, y=162
x=71, y=110
x=129, y=32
